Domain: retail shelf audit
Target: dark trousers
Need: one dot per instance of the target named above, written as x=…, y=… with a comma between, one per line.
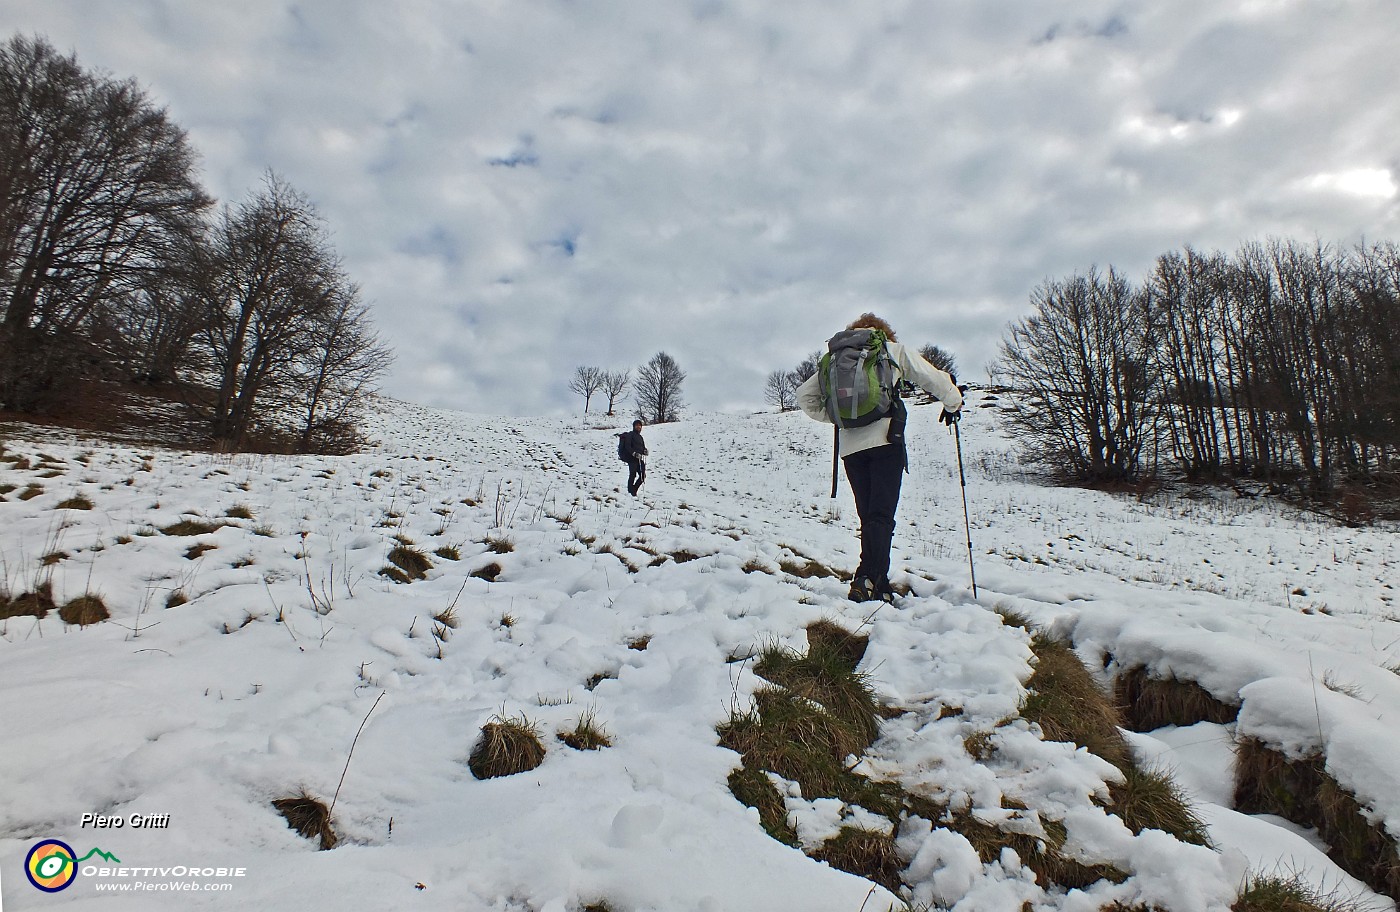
x=875, y=476
x=636, y=474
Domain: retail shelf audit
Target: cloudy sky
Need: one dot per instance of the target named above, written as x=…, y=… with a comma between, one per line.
x=521, y=187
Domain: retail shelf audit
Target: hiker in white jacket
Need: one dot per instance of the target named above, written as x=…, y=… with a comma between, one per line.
x=874, y=457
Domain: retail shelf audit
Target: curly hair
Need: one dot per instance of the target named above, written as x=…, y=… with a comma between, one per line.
x=870, y=321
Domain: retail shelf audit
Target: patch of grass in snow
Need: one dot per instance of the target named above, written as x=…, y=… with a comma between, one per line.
x=1272, y=893
x=37, y=603
x=30, y=491
x=755, y=789
x=449, y=552
x=76, y=502
x=406, y=565
x=309, y=817
x=828, y=636
x=84, y=610
x=507, y=746
x=488, y=573
x=1151, y=799
x=826, y=677
x=1301, y=790
x=1151, y=703
x=499, y=544
x=239, y=511
x=1067, y=703
x=1042, y=853
x=587, y=734
x=866, y=853
x=191, y=527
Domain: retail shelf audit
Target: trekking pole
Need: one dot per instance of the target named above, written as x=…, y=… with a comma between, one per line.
x=967, y=524
x=835, y=458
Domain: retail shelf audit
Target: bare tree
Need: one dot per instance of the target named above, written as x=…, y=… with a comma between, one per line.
x=781, y=391
x=1085, y=362
x=941, y=359
x=586, y=382
x=97, y=190
x=337, y=375
x=615, y=384
x=658, y=389
x=276, y=280
x=806, y=368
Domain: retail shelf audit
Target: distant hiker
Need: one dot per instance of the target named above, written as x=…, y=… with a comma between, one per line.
x=856, y=388
x=632, y=449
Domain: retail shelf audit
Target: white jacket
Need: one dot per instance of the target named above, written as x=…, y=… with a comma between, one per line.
x=912, y=367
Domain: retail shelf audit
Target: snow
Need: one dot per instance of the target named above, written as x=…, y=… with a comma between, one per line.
x=255, y=687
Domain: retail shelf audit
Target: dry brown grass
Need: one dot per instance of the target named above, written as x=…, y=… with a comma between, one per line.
x=309, y=817
x=1301, y=790
x=828, y=636
x=84, y=610
x=406, y=565
x=191, y=527
x=754, y=789
x=1280, y=894
x=489, y=573
x=37, y=603
x=1068, y=705
x=864, y=853
x=1041, y=855
x=1150, y=703
x=825, y=677
x=587, y=734
x=507, y=746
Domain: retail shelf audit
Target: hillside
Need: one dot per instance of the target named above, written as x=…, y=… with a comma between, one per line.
x=252, y=633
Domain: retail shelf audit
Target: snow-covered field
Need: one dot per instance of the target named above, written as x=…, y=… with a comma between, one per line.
x=239, y=665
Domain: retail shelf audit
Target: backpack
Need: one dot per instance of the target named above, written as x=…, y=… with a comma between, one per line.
x=858, y=378
x=622, y=452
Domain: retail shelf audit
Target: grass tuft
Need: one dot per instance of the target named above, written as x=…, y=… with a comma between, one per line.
x=410, y=563
x=239, y=511
x=828, y=636
x=309, y=817
x=1269, y=893
x=1151, y=703
x=29, y=604
x=84, y=610
x=190, y=527
x=507, y=746
x=76, y=502
x=825, y=677
x=586, y=734
x=488, y=573
x=1150, y=799
x=754, y=789
x=1068, y=705
x=864, y=853
x=449, y=552
x=1301, y=789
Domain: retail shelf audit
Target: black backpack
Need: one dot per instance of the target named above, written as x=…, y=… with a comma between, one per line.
x=623, y=452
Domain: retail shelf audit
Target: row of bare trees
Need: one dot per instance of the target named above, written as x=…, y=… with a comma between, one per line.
x=591, y=381
x=114, y=263
x=1280, y=362
x=656, y=390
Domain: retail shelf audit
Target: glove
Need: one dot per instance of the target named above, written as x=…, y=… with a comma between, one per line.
x=950, y=418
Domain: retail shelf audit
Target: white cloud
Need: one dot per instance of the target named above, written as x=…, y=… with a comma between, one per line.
x=523, y=187
x=1367, y=183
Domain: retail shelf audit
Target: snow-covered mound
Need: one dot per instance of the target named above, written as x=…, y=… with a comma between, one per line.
x=252, y=631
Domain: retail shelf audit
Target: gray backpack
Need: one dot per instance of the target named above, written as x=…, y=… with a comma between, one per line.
x=858, y=378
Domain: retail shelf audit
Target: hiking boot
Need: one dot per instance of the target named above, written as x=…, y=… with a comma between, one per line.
x=863, y=590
